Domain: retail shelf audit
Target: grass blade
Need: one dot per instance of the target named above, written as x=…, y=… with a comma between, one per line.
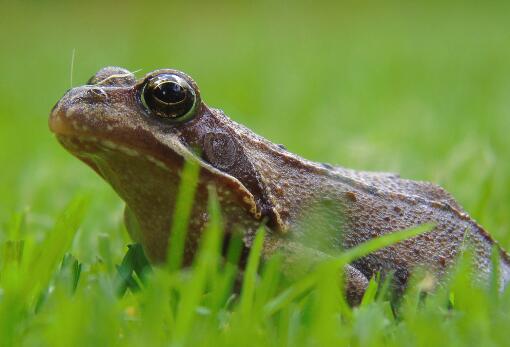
x=250, y=275
x=181, y=215
x=348, y=256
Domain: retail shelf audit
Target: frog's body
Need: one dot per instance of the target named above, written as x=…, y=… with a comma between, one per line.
x=139, y=145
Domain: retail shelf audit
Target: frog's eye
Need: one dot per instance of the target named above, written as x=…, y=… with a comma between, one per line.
x=169, y=96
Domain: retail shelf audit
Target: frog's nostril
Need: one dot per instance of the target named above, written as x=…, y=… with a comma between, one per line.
x=97, y=93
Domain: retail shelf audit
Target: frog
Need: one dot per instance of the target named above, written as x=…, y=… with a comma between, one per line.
x=138, y=134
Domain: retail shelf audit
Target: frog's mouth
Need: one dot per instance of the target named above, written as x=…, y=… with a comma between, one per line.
x=95, y=151
x=105, y=156
x=135, y=157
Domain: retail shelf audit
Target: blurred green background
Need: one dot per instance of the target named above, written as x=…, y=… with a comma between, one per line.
x=420, y=89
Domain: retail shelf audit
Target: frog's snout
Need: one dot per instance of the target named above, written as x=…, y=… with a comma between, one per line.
x=73, y=111
x=55, y=121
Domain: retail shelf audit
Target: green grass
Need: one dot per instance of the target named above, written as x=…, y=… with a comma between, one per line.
x=420, y=89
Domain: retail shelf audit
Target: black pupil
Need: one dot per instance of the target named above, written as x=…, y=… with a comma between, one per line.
x=170, y=92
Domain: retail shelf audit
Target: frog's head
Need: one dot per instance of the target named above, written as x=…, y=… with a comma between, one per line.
x=138, y=134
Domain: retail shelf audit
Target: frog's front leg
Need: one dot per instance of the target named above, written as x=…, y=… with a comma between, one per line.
x=297, y=258
x=355, y=285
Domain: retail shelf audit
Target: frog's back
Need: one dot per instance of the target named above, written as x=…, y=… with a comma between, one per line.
x=385, y=202
x=393, y=183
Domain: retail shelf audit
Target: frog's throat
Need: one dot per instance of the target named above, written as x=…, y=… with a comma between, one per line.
x=88, y=149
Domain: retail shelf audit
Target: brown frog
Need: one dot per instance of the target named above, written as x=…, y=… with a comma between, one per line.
x=137, y=134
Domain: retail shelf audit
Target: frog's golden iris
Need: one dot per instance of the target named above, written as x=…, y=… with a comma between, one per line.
x=170, y=97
